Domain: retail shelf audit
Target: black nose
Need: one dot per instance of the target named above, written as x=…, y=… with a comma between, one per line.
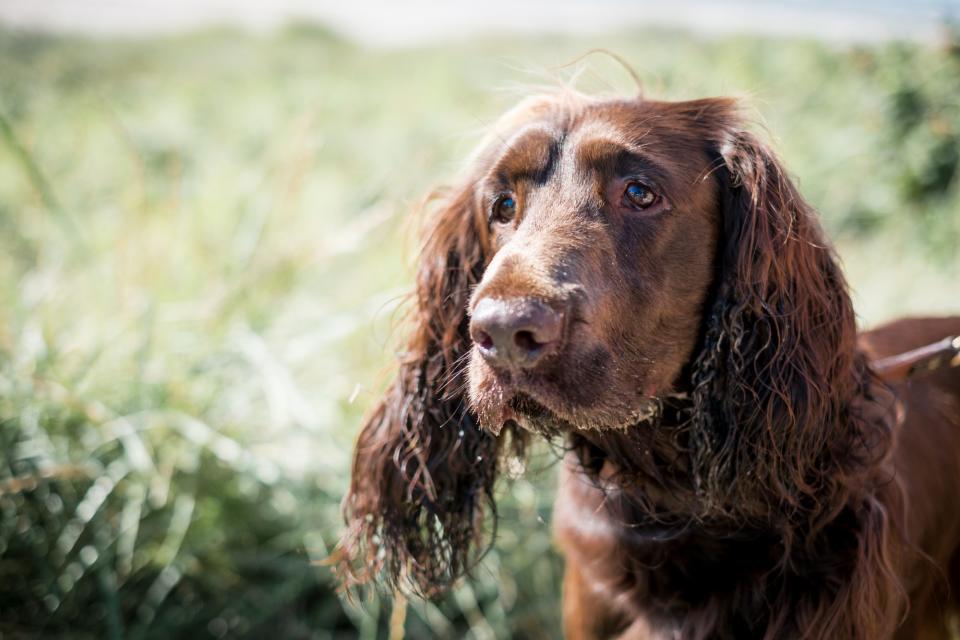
x=516, y=332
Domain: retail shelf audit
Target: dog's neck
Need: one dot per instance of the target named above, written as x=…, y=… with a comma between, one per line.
x=646, y=464
x=650, y=468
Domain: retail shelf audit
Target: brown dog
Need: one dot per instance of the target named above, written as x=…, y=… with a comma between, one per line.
x=642, y=279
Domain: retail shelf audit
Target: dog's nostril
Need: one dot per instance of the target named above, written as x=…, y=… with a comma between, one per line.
x=526, y=341
x=484, y=340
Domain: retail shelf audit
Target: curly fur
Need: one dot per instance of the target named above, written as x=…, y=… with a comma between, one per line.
x=423, y=470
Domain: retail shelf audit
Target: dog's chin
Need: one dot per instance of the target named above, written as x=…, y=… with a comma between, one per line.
x=533, y=415
x=541, y=407
x=523, y=411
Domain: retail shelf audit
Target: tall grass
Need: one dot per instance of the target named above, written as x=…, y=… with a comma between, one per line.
x=204, y=241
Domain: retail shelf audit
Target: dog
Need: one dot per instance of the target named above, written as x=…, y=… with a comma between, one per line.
x=642, y=280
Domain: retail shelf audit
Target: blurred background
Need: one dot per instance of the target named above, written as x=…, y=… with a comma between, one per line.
x=206, y=234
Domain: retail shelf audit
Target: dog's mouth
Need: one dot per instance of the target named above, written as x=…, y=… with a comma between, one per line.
x=554, y=400
x=533, y=415
x=528, y=407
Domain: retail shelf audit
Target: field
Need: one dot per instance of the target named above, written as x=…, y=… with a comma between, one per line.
x=205, y=242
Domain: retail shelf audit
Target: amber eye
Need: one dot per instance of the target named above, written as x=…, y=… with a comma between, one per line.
x=639, y=195
x=504, y=208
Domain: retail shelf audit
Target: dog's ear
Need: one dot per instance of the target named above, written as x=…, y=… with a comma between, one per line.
x=423, y=470
x=789, y=427
x=774, y=382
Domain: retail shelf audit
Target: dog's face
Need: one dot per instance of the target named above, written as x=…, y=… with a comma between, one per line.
x=603, y=222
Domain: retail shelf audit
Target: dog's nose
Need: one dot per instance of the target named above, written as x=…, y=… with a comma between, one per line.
x=516, y=332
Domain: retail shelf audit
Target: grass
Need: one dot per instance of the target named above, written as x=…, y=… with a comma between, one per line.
x=204, y=240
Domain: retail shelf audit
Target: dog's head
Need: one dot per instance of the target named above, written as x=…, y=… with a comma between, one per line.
x=601, y=222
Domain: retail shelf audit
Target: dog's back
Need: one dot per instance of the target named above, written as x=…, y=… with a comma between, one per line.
x=927, y=463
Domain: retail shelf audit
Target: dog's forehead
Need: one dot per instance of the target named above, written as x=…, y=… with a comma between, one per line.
x=635, y=123
x=592, y=135
x=626, y=123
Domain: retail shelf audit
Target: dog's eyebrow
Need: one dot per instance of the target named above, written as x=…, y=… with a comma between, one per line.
x=606, y=152
x=528, y=155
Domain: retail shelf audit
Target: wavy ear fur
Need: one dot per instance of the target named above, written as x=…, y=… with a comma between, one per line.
x=790, y=430
x=423, y=471
x=777, y=383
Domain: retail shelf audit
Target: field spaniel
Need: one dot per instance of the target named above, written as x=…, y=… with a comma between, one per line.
x=642, y=281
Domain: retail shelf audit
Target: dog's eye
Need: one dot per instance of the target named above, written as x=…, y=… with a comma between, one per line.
x=639, y=195
x=504, y=208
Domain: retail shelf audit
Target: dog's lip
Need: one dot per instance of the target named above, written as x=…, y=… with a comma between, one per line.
x=534, y=407
x=526, y=408
x=524, y=397
x=521, y=397
x=527, y=405
x=507, y=415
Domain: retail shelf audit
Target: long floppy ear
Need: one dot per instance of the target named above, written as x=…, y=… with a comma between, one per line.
x=775, y=383
x=423, y=470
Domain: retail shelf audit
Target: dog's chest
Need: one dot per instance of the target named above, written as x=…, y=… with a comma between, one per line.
x=662, y=574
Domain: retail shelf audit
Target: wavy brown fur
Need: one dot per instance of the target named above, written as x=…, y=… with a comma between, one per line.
x=423, y=470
